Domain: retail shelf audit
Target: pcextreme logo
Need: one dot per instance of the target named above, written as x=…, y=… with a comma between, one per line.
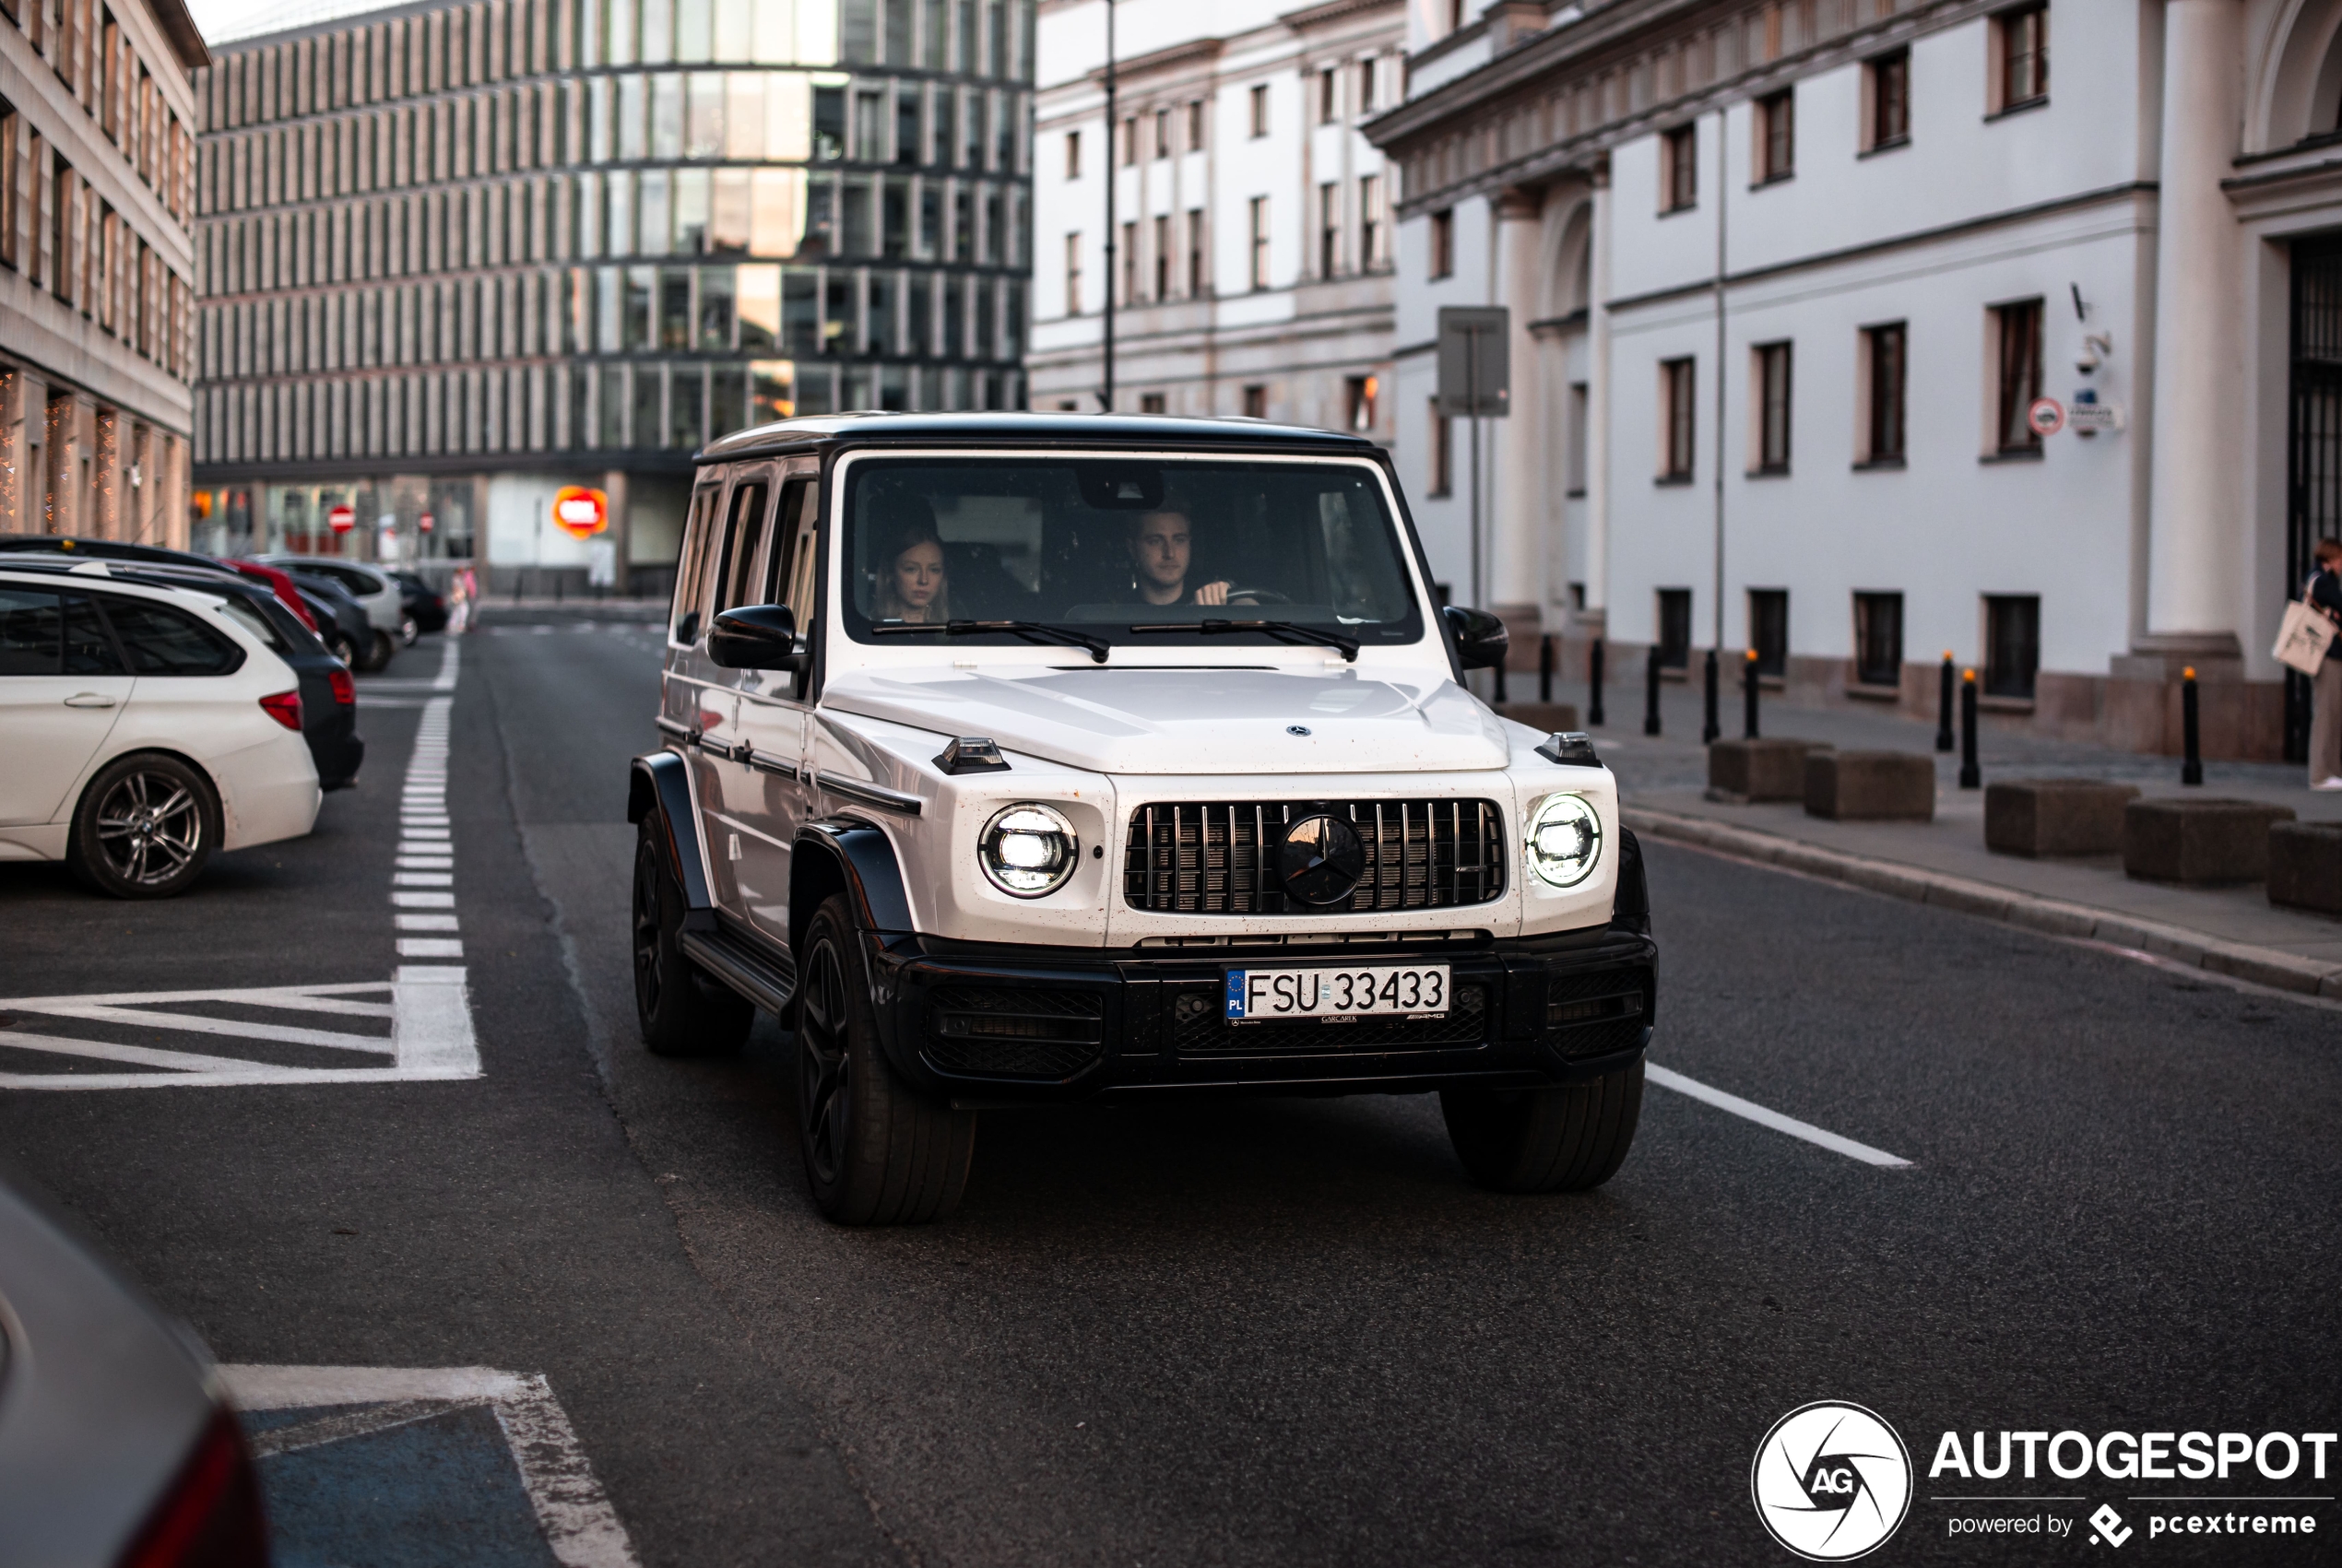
x=1831, y=1481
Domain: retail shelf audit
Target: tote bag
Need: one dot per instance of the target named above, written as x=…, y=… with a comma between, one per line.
x=2303, y=637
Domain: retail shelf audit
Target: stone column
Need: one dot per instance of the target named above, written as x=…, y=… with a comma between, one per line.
x=106, y=501
x=2197, y=521
x=621, y=528
x=1515, y=553
x=1597, y=475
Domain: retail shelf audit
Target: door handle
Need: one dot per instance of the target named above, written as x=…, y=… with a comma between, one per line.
x=88, y=700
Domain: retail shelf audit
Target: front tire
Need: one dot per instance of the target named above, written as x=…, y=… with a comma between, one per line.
x=380, y=650
x=145, y=828
x=682, y=1012
x=876, y=1154
x=1530, y=1140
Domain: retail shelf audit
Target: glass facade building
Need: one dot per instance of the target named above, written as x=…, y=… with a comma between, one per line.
x=452, y=257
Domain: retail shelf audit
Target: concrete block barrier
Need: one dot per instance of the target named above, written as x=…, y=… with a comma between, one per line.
x=2040, y=816
x=1870, y=786
x=2306, y=866
x=1741, y=771
x=2205, y=843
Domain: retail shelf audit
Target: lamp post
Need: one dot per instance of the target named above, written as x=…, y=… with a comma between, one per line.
x=1106, y=393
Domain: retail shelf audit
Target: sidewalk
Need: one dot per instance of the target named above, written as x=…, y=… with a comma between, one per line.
x=2236, y=931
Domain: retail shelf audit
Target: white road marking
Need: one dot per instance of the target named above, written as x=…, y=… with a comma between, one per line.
x=424, y=922
x=429, y=1012
x=1654, y=1073
x=430, y=947
x=425, y=863
x=424, y=901
x=423, y=879
x=580, y=1525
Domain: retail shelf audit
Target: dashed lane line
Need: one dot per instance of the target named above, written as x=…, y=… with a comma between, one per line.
x=1823, y=1137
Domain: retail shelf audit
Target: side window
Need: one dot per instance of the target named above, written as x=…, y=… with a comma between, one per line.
x=743, y=532
x=247, y=615
x=89, y=647
x=691, y=579
x=792, y=580
x=162, y=640
x=32, y=632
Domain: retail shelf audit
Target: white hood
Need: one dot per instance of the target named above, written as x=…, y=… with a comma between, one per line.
x=1196, y=720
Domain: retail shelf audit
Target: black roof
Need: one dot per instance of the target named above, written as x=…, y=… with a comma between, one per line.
x=1122, y=430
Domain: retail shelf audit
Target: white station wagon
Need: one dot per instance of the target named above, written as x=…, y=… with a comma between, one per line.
x=1018, y=759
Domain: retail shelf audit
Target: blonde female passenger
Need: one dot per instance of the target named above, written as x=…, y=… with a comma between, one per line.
x=912, y=588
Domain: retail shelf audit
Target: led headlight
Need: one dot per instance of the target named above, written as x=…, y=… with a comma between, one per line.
x=1565, y=841
x=1028, y=850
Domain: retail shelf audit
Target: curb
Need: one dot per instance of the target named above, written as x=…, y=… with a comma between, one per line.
x=2261, y=966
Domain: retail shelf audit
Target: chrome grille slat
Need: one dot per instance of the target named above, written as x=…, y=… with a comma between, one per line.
x=1212, y=858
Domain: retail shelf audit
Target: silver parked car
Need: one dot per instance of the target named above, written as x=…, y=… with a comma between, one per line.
x=115, y=1446
x=377, y=594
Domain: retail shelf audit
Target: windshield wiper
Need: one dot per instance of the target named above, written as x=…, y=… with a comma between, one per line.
x=1030, y=631
x=1282, y=630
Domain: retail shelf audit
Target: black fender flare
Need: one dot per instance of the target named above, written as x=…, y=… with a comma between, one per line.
x=657, y=783
x=846, y=854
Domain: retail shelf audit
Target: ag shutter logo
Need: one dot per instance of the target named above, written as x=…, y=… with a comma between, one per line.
x=1831, y=1481
x=2110, y=1524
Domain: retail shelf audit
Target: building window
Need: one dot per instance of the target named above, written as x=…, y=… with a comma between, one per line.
x=1443, y=451
x=2012, y=644
x=1073, y=155
x=1366, y=85
x=1328, y=96
x=2021, y=76
x=1151, y=403
x=1443, y=243
x=1329, y=229
x=1575, y=439
x=1370, y=224
x=1679, y=387
x=1772, y=367
x=1883, y=376
x=1195, y=252
x=1259, y=216
x=1073, y=275
x=2018, y=329
x=1359, y=393
x=1454, y=16
x=1776, y=136
x=1679, y=169
x=1261, y=109
x=1162, y=258
x=1255, y=402
x=1195, y=125
x=1162, y=133
x=1768, y=631
x=1675, y=628
x=1130, y=263
x=1887, y=82
x=1878, y=639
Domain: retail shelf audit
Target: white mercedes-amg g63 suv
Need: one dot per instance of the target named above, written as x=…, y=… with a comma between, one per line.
x=1026, y=758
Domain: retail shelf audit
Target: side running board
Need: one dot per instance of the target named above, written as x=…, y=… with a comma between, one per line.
x=764, y=978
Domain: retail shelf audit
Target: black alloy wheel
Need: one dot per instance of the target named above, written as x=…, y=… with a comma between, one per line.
x=145, y=828
x=876, y=1151
x=681, y=1011
x=342, y=648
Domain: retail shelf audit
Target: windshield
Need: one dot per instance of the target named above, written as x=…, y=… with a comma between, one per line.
x=1128, y=552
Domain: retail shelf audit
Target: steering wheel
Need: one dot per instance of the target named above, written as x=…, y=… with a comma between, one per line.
x=1258, y=597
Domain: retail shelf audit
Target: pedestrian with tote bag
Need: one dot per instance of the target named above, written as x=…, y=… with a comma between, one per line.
x=2323, y=593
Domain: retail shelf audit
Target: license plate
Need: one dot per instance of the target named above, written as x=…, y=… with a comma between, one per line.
x=1338, y=995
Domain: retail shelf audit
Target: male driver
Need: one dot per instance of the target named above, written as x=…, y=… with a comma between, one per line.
x=1162, y=546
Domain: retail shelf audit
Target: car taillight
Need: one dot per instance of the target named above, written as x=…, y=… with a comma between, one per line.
x=345, y=688
x=211, y=1516
x=285, y=708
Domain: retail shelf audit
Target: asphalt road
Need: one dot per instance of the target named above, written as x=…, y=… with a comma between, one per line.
x=1269, y=1332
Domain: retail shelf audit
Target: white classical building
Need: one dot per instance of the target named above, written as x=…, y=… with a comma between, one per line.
x=1252, y=264
x=1789, y=281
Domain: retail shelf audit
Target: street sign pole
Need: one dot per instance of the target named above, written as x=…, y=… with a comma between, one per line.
x=1107, y=395
x=1475, y=373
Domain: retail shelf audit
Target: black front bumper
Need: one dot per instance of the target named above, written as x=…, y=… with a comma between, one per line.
x=986, y=1023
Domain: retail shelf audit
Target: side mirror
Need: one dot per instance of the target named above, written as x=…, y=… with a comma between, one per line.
x=754, y=637
x=1481, y=638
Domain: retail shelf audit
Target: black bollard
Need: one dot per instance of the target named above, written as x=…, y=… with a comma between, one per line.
x=1545, y=668
x=1501, y=698
x=2191, y=763
x=1970, y=777
x=1594, y=683
x=1749, y=695
x=1650, y=692
x=1711, y=728
x=1944, y=708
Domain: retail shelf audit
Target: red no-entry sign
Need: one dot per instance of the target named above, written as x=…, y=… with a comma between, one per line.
x=342, y=519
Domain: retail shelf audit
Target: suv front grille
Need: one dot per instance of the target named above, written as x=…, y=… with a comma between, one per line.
x=1206, y=857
